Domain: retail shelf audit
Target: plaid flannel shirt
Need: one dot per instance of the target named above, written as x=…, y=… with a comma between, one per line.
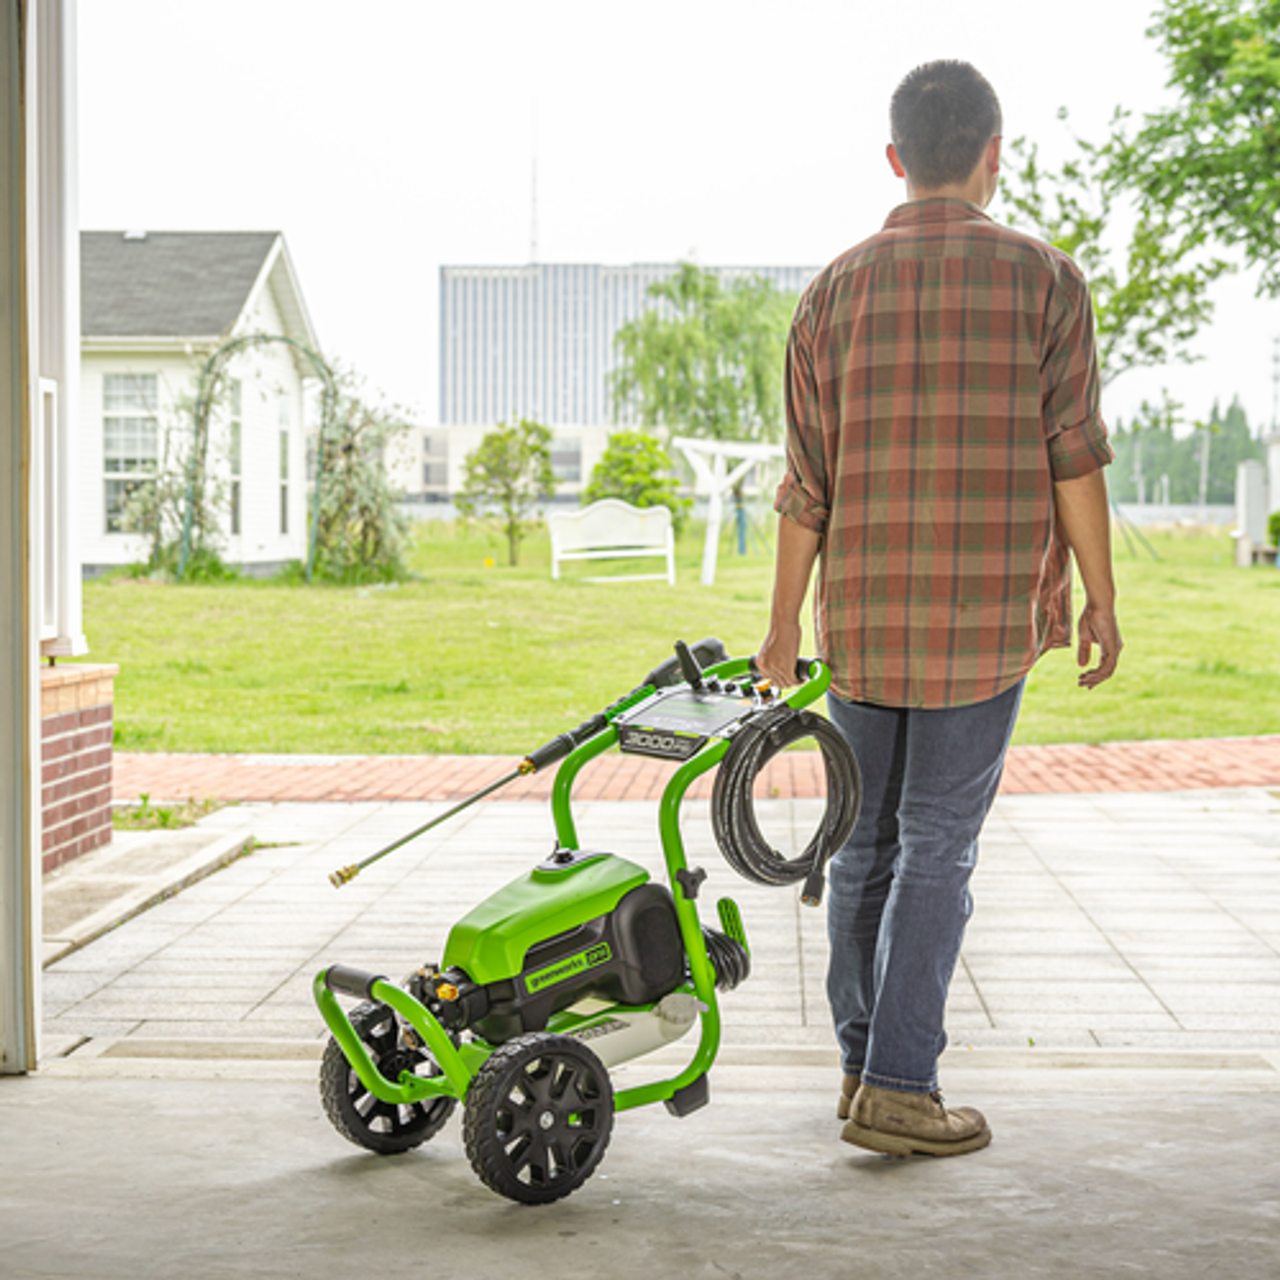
x=941, y=376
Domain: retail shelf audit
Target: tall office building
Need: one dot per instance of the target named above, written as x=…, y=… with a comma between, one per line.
x=537, y=341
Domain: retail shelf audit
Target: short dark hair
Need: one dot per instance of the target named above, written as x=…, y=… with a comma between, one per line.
x=941, y=118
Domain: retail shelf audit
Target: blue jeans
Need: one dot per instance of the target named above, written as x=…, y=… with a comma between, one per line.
x=899, y=888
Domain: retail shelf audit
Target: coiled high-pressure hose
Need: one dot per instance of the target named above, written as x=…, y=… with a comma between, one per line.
x=733, y=817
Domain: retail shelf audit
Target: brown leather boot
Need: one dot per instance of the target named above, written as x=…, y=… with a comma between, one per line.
x=901, y=1124
x=847, y=1089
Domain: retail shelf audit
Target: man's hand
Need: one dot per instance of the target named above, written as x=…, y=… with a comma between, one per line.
x=779, y=653
x=797, y=550
x=1098, y=626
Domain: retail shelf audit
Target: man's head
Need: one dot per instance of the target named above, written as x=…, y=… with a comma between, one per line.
x=945, y=123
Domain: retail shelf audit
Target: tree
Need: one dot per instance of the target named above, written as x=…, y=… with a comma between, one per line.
x=1148, y=450
x=1150, y=297
x=637, y=469
x=707, y=361
x=361, y=533
x=1211, y=161
x=508, y=473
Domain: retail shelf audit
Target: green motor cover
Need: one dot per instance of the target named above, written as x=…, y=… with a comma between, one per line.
x=490, y=942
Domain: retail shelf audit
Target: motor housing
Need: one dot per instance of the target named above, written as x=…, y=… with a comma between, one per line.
x=632, y=955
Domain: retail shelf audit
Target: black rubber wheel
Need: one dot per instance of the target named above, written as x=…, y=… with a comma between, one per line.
x=385, y=1127
x=538, y=1117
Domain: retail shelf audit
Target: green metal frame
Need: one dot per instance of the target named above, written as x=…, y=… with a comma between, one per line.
x=459, y=1063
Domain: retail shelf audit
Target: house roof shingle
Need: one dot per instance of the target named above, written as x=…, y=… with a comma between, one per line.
x=169, y=283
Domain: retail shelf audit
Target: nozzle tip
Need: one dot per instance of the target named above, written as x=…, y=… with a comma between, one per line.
x=342, y=875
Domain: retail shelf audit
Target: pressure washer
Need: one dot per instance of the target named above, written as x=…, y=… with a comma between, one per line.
x=584, y=962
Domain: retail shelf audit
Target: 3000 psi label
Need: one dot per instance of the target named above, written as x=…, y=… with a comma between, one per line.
x=562, y=969
x=666, y=744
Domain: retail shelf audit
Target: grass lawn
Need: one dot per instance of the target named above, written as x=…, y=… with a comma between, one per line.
x=477, y=659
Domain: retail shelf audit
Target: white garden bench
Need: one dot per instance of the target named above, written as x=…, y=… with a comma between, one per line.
x=613, y=530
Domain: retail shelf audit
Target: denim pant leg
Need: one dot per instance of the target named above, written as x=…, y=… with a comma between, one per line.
x=859, y=875
x=899, y=897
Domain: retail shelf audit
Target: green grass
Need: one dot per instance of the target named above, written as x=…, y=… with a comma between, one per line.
x=1201, y=657
x=144, y=816
x=476, y=659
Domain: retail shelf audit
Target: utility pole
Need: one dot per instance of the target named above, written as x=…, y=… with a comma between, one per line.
x=1275, y=384
x=1204, y=465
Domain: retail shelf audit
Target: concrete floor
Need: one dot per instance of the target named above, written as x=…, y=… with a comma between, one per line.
x=1117, y=1017
x=1168, y=1171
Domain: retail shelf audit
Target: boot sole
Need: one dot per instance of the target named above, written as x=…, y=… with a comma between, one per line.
x=894, y=1144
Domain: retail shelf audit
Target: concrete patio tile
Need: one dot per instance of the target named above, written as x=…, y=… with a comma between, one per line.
x=132, y=1007
x=1188, y=1039
x=1003, y=996
x=1243, y=1022
x=996, y=1037
x=1008, y=942
x=1106, y=966
x=1236, y=941
x=1189, y=999
x=1233, y=970
x=1034, y=1023
x=182, y=1029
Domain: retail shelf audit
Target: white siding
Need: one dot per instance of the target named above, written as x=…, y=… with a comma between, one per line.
x=175, y=376
x=267, y=375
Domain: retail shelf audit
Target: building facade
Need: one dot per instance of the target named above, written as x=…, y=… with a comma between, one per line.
x=538, y=341
x=155, y=307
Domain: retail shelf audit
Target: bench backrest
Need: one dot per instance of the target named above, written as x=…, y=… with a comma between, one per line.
x=609, y=523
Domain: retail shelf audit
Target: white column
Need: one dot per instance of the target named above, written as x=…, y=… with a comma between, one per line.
x=59, y=307
x=19, y=645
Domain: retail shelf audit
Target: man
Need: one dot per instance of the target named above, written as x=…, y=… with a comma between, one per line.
x=944, y=450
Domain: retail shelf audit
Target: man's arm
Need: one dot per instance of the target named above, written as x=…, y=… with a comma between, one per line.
x=797, y=550
x=1085, y=518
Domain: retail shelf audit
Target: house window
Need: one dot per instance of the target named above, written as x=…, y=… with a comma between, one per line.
x=566, y=458
x=130, y=428
x=235, y=455
x=435, y=468
x=284, y=465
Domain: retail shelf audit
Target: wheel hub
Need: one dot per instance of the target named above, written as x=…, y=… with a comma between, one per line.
x=547, y=1119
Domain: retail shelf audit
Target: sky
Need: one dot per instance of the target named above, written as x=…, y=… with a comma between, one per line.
x=392, y=137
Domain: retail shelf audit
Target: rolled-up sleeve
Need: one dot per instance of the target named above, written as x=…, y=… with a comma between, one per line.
x=803, y=495
x=1075, y=433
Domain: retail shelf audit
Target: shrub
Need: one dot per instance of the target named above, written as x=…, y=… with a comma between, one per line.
x=636, y=468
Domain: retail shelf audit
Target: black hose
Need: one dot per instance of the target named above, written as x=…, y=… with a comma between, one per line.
x=733, y=817
x=730, y=960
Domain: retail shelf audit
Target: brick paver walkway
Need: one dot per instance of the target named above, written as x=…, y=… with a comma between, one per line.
x=1116, y=766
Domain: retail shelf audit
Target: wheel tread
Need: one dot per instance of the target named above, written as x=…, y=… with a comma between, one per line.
x=334, y=1077
x=484, y=1147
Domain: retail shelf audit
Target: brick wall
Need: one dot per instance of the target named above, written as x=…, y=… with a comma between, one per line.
x=75, y=722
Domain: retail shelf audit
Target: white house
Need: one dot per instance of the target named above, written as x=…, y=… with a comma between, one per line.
x=154, y=307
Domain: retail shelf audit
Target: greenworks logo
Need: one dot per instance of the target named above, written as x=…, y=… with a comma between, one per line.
x=563, y=969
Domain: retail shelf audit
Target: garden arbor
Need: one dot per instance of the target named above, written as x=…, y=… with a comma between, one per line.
x=210, y=384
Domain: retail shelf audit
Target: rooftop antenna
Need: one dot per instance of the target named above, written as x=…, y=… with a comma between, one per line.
x=533, y=214
x=533, y=191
